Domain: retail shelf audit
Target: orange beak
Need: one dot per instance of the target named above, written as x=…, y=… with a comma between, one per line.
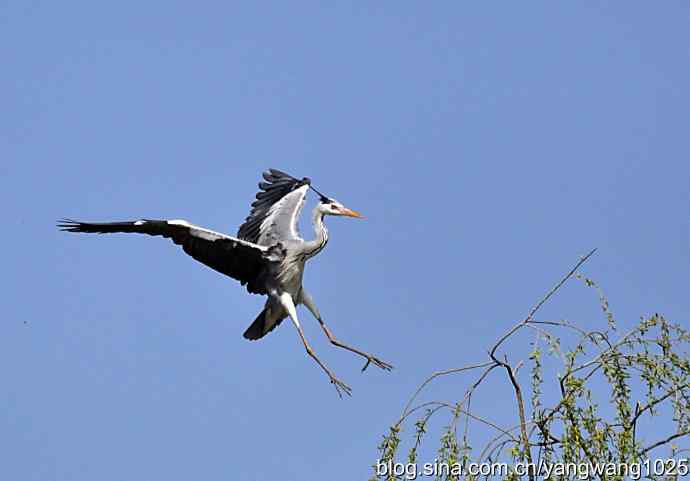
x=351, y=213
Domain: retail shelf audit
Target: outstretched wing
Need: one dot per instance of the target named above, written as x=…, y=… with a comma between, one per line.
x=276, y=210
x=239, y=259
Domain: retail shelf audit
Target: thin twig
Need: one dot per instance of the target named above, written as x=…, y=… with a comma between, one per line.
x=434, y=376
x=657, y=401
x=664, y=441
x=538, y=305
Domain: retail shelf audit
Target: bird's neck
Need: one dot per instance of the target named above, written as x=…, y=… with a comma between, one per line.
x=320, y=233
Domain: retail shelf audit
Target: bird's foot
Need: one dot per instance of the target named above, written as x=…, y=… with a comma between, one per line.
x=377, y=362
x=340, y=386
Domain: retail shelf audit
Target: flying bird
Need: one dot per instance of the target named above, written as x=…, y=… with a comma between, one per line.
x=268, y=255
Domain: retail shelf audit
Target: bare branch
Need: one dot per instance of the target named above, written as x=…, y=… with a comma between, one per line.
x=664, y=441
x=521, y=411
x=538, y=305
x=651, y=404
x=434, y=376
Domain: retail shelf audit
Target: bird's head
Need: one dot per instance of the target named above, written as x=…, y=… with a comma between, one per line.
x=332, y=207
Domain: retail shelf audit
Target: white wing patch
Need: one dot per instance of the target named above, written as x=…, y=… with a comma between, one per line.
x=180, y=222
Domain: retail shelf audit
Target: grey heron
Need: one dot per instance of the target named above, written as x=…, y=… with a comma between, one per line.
x=268, y=255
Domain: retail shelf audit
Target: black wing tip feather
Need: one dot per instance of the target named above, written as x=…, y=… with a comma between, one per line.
x=70, y=225
x=275, y=176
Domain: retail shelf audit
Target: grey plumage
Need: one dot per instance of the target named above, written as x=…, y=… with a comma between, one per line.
x=268, y=255
x=278, y=188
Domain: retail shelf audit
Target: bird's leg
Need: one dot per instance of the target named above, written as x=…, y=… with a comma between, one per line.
x=289, y=305
x=309, y=302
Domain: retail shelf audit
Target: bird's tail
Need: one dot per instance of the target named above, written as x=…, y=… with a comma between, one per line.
x=264, y=323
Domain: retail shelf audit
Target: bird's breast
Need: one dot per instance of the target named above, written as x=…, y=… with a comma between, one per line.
x=289, y=275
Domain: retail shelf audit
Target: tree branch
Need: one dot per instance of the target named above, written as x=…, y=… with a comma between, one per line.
x=664, y=441
x=538, y=305
x=521, y=411
x=434, y=376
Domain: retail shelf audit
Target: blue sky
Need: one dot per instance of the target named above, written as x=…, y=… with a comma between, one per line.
x=488, y=146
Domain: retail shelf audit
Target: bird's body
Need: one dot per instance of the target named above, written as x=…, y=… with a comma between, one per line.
x=268, y=255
